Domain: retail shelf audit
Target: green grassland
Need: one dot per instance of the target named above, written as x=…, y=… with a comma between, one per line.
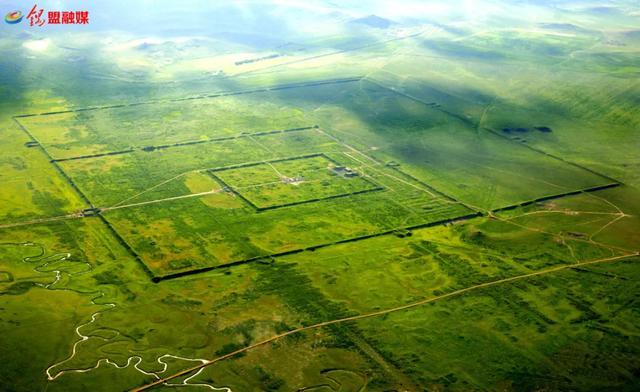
x=106, y=130
x=438, y=148
x=269, y=185
x=171, y=236
x=253, y=302
x=474, y=166
x=168, y=199
x=32, y=188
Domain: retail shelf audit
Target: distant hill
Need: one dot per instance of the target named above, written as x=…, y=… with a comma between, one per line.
x=603, y=10
x=561, y=27
x=374, y=21
x=633, y=34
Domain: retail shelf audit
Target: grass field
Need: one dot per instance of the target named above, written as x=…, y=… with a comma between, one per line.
x=292, y=181
x=322, y=198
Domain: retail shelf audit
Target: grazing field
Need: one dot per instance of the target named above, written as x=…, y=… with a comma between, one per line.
x=112, y=129
x=320, y=197
x=275, y=206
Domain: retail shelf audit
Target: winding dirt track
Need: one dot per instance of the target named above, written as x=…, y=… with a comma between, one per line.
x=380, y=313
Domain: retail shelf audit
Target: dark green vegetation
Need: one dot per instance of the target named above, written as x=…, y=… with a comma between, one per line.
x=432, y=200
